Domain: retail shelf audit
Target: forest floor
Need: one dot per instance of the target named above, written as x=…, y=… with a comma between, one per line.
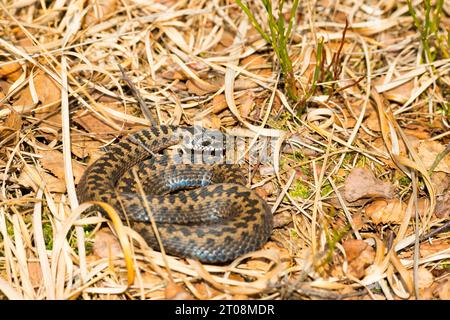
x=356, y=111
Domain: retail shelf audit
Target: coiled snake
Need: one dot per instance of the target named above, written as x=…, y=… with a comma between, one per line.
x=202, y=211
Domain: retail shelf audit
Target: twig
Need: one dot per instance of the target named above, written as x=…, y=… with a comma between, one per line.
x=438, y=159
x=417, y=240
x=138, y=97
x=444, y=228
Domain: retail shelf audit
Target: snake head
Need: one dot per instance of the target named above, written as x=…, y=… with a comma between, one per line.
x=201, y=145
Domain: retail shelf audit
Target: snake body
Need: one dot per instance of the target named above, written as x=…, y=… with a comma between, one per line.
x=202, y=211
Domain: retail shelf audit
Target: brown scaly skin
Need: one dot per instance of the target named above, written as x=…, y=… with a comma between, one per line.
x=217, y=222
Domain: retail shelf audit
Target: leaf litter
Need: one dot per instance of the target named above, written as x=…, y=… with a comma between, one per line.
x=359, y=180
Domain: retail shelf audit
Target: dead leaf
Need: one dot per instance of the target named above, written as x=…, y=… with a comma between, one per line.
x=441, y=182
x=83, y=146
x=31, y=178
x=10, y=70
x=47, y=90
x=4, y=88
x=428, y=249
x=418, y=131
x=359, y=255
x=177, y=292
x=282, y=251
x=99, y=9
x=399, y=94
x=255, y=61
x=361, y=183
x=210, y=121
x=246, y=103
x=428, y=151
x=282, y=219
x=151, y=279
x=12, y=124
x=53, y=161
x=244, y=83
x=386, y=211
x=424, y=278
x=193, y=88
x=35, y=272
x=427, y=293
x=106, y=244
x=442, y=209
x=209, y=85
x=219, y=104
x=444, y=290
x=227, y=38
x=373, y=123
x=206, y=291
x=173, y=71
x=266, y=190
x=92, y=123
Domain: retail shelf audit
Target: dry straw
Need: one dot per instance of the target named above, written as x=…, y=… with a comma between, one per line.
x=194, y=60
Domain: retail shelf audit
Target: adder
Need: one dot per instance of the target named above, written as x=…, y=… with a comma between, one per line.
x=202, y=211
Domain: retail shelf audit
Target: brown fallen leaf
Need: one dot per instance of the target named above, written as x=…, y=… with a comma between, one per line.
x=427, y=249
x=424, y=278
x=106, y=244
x=399, y=94
x=428, y=151
x=10, y=70
x=92, y=123
x=35, y=272
x=372, y=122
x=245, y=103
x=386, y=211
x=4, y=88
x=83, y=146
x=53, y=161
x=442, y=209
x=443, y=290
x=47, y=90
x=441, y=182
x=210, y=121
x=282, y=251
x=418, y=131
x=266, y=190
x=151, y=279
x=346, y=120
x=29, y=177
x=254, y=61
x=219, y=104
x=193, y=88
x=361, y=183
x=227, y=39
x=206, y=291
x=359, y=255
x=99, y=9
x=282, y=219
x=177, y=292
x=12, y=124
x=427, y=293
x=380, y=145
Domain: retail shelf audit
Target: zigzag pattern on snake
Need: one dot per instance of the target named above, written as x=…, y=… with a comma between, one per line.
x=202, y=211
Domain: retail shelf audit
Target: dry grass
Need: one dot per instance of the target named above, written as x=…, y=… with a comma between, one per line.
x=63, y=98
